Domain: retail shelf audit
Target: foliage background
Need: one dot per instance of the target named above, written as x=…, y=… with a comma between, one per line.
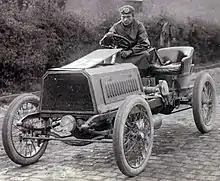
x=37, y=35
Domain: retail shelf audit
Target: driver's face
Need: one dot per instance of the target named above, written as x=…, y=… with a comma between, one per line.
x=127, y=18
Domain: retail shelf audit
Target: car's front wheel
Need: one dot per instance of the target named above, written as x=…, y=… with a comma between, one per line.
x=133, y=135
x=16, y=127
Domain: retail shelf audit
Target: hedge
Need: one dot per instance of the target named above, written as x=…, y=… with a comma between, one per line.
x=42, y=36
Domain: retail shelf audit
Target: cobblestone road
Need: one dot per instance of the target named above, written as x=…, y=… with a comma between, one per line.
x=179, y=153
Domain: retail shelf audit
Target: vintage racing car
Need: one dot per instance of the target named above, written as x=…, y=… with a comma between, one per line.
x=94, y=99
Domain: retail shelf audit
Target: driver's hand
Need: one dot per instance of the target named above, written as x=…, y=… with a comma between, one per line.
x=126, y=53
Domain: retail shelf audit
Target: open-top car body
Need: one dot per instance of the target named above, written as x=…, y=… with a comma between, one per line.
x=94, y=99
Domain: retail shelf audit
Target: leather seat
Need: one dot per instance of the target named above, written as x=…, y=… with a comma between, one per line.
x=179, y=58
x=171, y=69
x=179, y=67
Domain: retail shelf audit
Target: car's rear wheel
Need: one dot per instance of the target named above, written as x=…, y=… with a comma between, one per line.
x=204, y=102
x=15, y=127
x=133, y=135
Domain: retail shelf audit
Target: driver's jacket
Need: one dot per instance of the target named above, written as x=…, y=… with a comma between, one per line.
x=135, y=33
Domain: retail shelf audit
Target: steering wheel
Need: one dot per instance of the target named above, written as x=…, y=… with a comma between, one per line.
x=115, y=41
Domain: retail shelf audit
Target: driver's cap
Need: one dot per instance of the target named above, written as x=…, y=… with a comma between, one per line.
x=126, y=9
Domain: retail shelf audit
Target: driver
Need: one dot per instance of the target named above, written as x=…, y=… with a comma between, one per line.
x=135, y=32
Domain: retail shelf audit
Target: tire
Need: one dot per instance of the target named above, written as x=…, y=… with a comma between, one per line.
x=18, y=108
x=204, y=102
x=120, y=142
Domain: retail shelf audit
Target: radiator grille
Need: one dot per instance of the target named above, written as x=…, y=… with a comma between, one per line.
x=66, y=92
x=119, y=88
x=116, y=90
